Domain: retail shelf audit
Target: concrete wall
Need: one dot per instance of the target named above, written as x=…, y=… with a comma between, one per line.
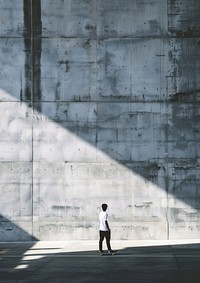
x=99, y=102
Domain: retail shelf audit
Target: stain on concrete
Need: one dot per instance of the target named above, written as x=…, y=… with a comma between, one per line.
x=87, y=44
x=27, y=50
x=91, y=28
x=184, y=20
x=58, y=86
x=33, y=48
x=65, y=207
x=144, y=204
x=66, y=63
x=153, y=26
x=154, y=171
x=36, y=50
x=181, y=96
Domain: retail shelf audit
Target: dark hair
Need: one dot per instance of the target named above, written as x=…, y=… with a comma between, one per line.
x=104, y=206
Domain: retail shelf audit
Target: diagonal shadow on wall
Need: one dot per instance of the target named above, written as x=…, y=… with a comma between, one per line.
x=10, y=230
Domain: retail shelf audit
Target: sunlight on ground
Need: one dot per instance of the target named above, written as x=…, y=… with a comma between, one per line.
x=43, y=249
x=22, y=266
x=50, y=249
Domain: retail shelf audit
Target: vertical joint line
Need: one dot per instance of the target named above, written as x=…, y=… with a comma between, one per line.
x=32, y=95
x=32, y=51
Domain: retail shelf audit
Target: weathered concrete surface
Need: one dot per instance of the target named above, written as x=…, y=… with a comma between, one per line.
x=99, y=102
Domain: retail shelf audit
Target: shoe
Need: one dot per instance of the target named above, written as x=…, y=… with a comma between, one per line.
x=111, y=252
x=100, y=252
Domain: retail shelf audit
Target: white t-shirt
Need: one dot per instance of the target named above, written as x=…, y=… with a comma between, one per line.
x=103, y=216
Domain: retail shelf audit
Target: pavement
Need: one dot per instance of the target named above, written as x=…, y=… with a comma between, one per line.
x=79, y=261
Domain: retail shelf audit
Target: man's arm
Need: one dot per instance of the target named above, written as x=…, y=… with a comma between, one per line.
x=107, y=225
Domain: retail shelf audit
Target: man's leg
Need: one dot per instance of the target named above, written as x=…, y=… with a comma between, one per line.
x=101, y=237
x=108, y=240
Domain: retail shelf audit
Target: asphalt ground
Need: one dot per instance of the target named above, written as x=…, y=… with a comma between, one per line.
x=79, y=261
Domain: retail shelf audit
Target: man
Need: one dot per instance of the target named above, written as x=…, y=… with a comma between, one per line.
x=104, y=230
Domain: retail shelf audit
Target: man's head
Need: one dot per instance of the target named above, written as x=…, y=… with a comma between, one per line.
x=104, y=206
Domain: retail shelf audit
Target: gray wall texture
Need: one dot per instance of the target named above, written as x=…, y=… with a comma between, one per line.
x=99, y=102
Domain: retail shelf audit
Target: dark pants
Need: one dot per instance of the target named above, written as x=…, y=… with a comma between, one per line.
x=105, y=234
